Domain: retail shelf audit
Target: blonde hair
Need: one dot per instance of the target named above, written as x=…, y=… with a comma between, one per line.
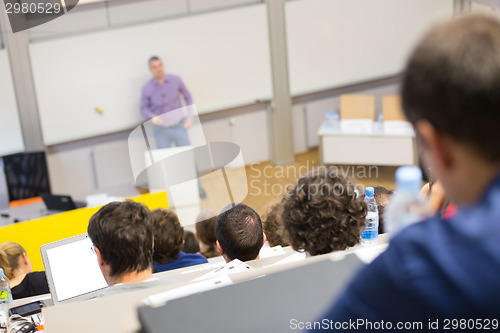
x=9, y=257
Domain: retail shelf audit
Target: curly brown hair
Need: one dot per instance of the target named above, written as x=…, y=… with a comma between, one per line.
x=273, y=227
x=168, y=236
x=322, y=213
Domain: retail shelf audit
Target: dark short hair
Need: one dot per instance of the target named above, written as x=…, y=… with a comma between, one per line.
x=123, y=233
x=322, y=213
x=274, y=229
x=452, y=80
x=379, y=192
x=205, y=231
x=191, y=244
x=168, y=234
x=153, y=58
x=239, y=232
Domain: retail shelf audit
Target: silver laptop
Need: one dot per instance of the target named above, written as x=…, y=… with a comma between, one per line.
x=72, y=270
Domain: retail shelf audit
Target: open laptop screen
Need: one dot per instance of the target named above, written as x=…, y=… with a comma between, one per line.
x=72, y=269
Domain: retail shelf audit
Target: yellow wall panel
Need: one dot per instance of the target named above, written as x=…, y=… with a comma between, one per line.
x=35, y=233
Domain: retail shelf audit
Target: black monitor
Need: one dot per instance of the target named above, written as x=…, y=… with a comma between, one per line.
x=26, y=175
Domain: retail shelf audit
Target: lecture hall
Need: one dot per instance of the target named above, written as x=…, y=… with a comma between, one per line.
x=249, y=166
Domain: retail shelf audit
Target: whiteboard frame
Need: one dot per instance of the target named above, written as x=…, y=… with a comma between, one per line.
x=107, y=69
x=11, y=137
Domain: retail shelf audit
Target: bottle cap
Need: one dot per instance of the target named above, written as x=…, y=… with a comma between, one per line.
x=409, y=179
x=369, y=191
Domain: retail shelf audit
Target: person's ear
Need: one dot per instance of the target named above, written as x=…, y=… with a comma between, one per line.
x=437, y=147
x=265, y=238
x=100, y=260
x=221, y=251
x=25, y=259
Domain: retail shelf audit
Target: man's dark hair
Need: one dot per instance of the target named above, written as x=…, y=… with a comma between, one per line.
x=322, y=213
x=123, y=233
x=239, y=232
x=153, y=58
x=205, y=231
x=380, y=192
x=452, y=80
x=274, y=229
x=191, y=244
x=169, y=235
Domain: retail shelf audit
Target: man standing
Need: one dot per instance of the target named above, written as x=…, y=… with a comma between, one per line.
x=441, y=272
x=160, y=102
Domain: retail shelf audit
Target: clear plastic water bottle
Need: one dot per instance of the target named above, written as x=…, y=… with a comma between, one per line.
x=5, y=301
x=333, y=119
x=407, y=205
x=369, y=235
x=378, y=125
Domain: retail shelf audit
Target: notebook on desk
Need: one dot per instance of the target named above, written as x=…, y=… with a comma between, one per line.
x=72, y=270
x=60, y=202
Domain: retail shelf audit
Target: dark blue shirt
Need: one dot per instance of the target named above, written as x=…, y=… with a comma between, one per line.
x=184, y=260
x=436, y=269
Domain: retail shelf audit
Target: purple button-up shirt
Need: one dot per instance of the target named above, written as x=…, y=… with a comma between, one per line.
x=163, y=99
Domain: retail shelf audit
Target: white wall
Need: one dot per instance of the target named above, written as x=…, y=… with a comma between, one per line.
x=112, y=14
x=102, y=162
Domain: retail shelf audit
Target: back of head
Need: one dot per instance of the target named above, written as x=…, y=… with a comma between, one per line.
x=205, y=230
x=322, y=213
x=123, y=233
x=452, y=81
x=239, y=232
x=10, y=253
x=168, y=234
x=191, y=244
x=382, y=196
x=274, y=229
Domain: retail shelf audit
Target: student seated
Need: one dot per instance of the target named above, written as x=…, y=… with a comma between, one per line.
x=382, y=197
x=445, y=269
x=168, y=242
x=273, y=227
x=322, y=213
x=191, y=244
x=17, y=267
x=122, y=238
x=205, y=232
x=239, y=233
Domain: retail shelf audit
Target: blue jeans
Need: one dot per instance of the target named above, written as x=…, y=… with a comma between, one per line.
x=164, y=136
x=177, y=134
